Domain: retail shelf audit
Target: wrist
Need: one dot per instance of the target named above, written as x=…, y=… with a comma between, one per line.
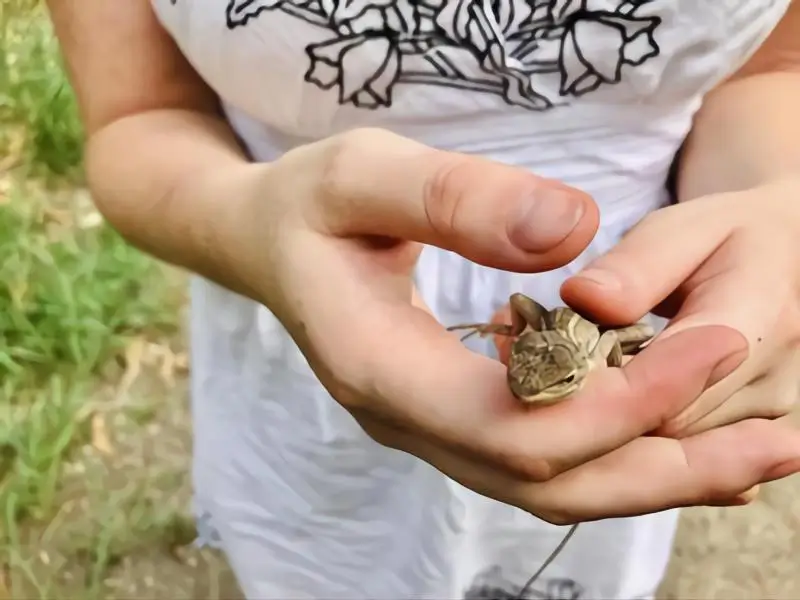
x=225, y=238
x=176, y=184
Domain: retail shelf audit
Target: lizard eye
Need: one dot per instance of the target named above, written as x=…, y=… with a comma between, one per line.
x=570, y=378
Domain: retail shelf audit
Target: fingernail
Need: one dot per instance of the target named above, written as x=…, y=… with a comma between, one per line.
x=735, y=501
x=745, y=498
x=603, y=278
x=726, y=366
x=545, y=220
x=790, y=467
x=751, y=494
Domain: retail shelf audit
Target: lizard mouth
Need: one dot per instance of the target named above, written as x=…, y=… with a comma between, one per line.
x=550, y=395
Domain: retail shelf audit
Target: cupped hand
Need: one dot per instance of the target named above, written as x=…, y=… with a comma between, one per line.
x=722, y=260
x=344, y=222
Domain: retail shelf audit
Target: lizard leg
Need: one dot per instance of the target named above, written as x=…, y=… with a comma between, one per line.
x=524, y=312
x=608, y=348
x=482, y=329
x=634, y=337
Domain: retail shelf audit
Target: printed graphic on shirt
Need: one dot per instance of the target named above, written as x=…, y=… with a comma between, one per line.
x=509, y=48
x=492, y=584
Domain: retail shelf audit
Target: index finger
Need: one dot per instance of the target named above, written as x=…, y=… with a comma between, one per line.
x=460, y=398
x=619, y=405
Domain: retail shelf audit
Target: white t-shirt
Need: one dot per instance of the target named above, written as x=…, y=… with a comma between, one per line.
x=597, y=93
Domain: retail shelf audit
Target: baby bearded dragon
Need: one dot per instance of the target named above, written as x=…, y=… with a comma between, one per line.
x=553, y=353
x=556, y=349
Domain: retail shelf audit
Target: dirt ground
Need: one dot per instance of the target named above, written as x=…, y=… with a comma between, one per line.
x=746, y=552
x=723, y=554
x=740, y=553
x=720, y=554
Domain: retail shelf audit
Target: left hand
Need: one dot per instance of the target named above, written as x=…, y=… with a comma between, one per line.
x=725, y=259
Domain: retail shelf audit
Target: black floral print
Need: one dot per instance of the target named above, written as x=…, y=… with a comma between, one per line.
x=632, y=36
x=563, y=589
x=510, y=48
x=492, y=584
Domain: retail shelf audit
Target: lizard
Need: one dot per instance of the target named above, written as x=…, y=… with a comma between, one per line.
x=552, y=354
x=555, y=350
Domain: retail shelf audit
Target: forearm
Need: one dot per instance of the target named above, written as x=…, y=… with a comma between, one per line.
x=748, y=131
x=171, y=182
x=746, y=134
x=163, y=165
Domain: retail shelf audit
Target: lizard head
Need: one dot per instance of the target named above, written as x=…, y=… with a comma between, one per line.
x=546, y=367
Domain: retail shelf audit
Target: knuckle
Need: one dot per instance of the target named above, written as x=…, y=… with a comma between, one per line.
x=340, y=378
x=791, y=314
x=784, y=401
x=755, y=428
x=445, y=191
x=376, y=426
x=339, y=152
x=342, y=154
x=715, y=495
x=343, y=392
x=379, y=433
x=530, y=470
x=557, y=517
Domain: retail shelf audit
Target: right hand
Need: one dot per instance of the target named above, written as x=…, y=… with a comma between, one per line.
x=332, y=233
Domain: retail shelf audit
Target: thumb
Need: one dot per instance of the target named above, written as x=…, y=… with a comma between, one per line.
x=376, y=183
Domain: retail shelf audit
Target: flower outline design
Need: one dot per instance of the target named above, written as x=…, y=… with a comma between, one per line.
x=633, y=37
x=508, y=48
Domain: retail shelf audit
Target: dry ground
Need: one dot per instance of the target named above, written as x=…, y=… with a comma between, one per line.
x=748, y=552
x=122, y=530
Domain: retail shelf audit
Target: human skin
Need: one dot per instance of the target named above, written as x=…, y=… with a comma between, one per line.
x=327, y=236
x=726, y=254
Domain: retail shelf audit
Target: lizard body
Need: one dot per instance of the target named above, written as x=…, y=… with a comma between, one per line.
x=552, y=354
x=555, y=350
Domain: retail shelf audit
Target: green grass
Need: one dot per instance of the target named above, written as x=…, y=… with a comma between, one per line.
x=38, y=114
x=70, y=299
x=73, y=296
